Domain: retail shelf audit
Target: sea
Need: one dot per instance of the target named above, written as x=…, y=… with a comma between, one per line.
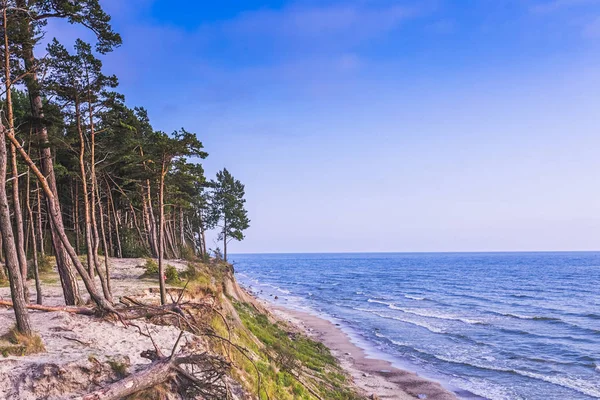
x=498, y=326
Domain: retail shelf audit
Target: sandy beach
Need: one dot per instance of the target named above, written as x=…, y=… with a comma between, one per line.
x=378, y=379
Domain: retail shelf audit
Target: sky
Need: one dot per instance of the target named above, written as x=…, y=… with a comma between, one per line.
x=381, y=125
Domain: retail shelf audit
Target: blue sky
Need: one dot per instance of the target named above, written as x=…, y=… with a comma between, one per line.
x=379, y=125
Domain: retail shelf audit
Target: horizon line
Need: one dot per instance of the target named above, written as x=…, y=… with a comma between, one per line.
x=420, y=252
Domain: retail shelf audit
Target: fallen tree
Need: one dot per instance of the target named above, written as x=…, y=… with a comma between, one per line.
x=69, y=309
x=132, y=309
x=197, y=375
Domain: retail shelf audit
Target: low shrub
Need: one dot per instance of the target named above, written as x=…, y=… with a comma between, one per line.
x=151, y=267
x=172, y=274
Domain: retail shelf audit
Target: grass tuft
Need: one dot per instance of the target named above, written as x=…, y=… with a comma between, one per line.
x=17, y=344
x=119, y=368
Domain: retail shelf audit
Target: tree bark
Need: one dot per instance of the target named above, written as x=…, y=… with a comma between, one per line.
x=20, y=242
x=84, y=188
x=8, y=243
x=158, y=372
x=65, y=269
x=36, y=267
x=39, y=307
x=20, y=235
x=76, y=216
x=39, y=231
x=161, y=245
x=181, y=228
x=106, y=278
x=169, y=239
x=115, y=218
x=152, y=220
x=93, y=185
x=163, y=369
x=225, y=240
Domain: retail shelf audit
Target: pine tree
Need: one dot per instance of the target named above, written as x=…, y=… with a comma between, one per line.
x=227, y=208
x=165, y=151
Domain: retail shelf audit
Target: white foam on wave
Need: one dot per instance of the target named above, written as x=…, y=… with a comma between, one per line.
x=417, y=298
x=277, y=288
x=484, y=388
x=577, y=384
x=437, y=315
x=531, y=317
x=429, y=327
x=379, y=302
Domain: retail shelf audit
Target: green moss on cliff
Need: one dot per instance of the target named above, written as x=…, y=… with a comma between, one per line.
x=291, y=366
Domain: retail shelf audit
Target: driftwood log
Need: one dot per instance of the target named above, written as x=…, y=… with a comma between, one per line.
x=135, y=311
x=69, y=309
x=197, y=374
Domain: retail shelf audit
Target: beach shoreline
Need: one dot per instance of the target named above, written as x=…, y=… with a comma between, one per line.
x=376, y=378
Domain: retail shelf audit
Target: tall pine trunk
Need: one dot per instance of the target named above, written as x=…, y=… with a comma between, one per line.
x=20, y=242
x=39, y=230
x=84, y=187
x=161, y=229
x=75, y=195
x=111, y=202
x=106, y=284
x=65, y=269
x=225, y=240
x=8, y=243
x=20, y=235
x=36, y=267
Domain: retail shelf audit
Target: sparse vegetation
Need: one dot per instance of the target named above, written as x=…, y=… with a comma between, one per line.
x=151, y=267
x=15, y=343
x=119, y=368
x=290, y=364
x=172, y=275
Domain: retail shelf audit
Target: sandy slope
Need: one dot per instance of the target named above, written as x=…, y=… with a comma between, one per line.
x=73, y=342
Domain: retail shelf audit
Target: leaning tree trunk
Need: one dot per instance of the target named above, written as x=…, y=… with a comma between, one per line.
x=169, y=239
x=88, y=281
x=65, y=270
x=8, y=243
x=39, y=230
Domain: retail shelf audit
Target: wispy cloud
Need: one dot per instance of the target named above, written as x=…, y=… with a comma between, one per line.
x=317, y=21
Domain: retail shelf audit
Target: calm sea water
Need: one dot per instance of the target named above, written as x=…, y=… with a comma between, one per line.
x=497, y=325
